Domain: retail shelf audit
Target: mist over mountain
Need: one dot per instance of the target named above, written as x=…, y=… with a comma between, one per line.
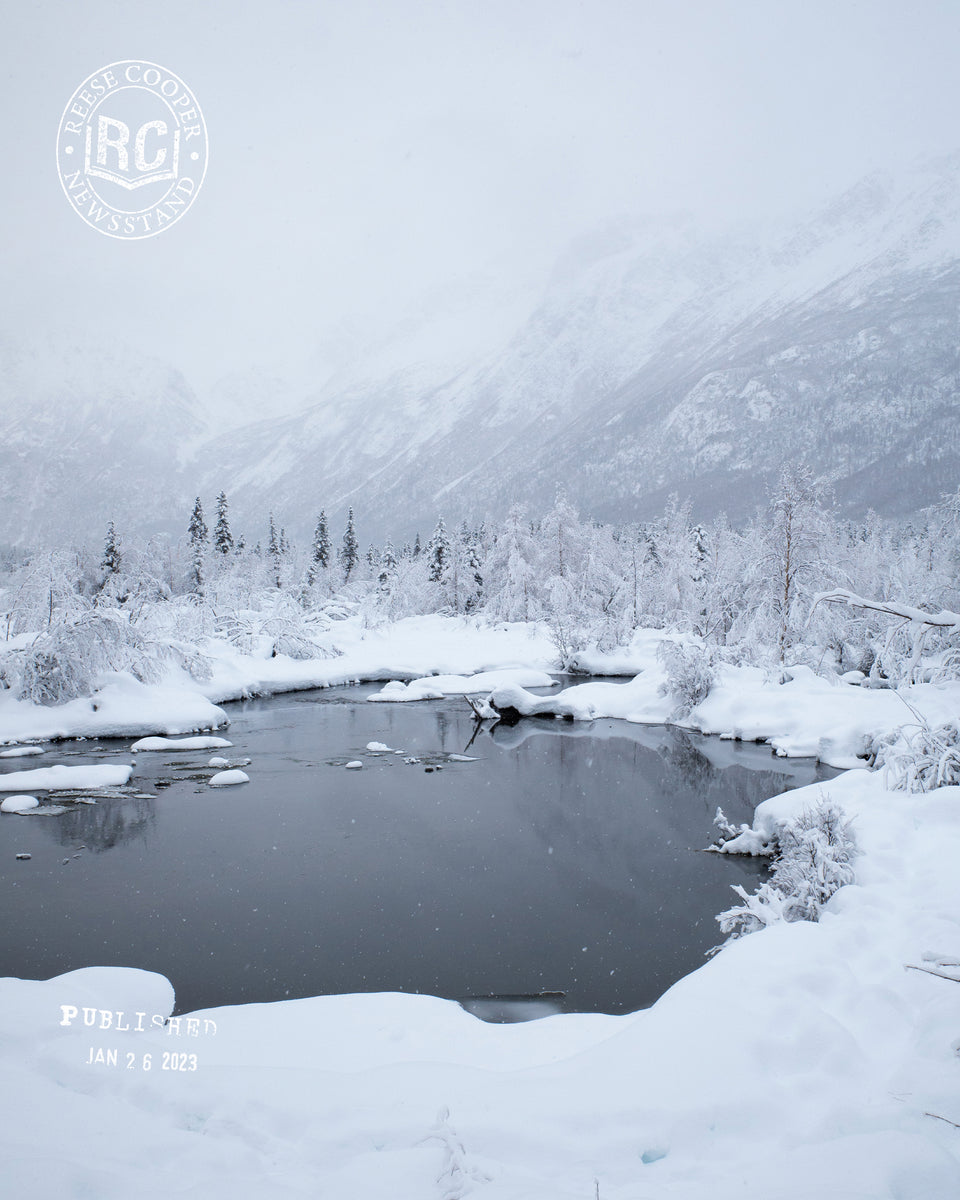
x=653, y=360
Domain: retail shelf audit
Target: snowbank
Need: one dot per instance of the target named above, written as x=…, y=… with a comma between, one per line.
x=189, y=743
x=122, y=707
x=407, y=650
x=805, y=717
x=433, y=687
x=60, y=778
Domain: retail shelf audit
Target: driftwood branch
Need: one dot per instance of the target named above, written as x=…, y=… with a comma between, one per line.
x=933, y=971
x=937, y=1117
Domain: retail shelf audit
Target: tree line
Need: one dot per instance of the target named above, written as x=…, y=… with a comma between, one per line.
x=745, y=594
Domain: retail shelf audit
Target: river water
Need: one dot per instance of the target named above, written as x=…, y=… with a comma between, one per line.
x=562, y=863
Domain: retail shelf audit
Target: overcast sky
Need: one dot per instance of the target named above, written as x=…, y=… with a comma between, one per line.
x=363, y=153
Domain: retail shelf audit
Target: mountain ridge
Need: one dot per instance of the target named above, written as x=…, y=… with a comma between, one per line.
x=654, y=360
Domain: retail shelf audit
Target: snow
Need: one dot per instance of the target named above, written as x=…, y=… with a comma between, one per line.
x=218, y=762
x=380, y=748
x=19, y=804
x=808, y=716
x=396, y=692
x=228, y=778
x=21, y=752
x=60, y=778
x=355, y=765
x=189, y=743
x=434, y=687
x=465, y=653
x=123, y=707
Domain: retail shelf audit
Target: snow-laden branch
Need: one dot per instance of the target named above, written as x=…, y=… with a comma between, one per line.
x=892, y=608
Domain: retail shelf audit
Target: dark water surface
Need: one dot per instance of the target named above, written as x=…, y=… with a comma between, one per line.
x=562, y=860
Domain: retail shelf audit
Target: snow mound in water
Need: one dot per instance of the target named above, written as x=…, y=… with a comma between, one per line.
x=187, y=743
x=55, y=779
x=228, y=778
x=19, y=804
x=434, y=687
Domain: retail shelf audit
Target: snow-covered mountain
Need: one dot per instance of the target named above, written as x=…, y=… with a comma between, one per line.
x=90, y=434
x=660, y=361
x=655, y=359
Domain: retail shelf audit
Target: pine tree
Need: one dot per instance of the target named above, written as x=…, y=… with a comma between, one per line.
x=199, y=536
x=474, y=566
x=275, y=551
x=388, y=566
x=416, y=546
x=439, y=551
x=222, y=537
x=350, y=551
x=320, y=552
x=466, y=554
x=112, y=558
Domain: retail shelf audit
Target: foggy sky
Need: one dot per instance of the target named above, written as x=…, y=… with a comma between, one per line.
x=362, y=154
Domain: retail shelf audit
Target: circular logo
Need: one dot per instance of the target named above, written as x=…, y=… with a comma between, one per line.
x=132, y=149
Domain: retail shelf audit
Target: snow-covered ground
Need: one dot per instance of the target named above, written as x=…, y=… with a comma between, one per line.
x=803, y=1060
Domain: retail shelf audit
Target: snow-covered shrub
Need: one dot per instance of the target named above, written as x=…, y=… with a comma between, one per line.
x=813, y=859
x=278, y=626
x=47, y=589
x=920, y=758
x=740, y=839
x=63, y=662
x=690, y=676
x=944, y=667
x=566, y=620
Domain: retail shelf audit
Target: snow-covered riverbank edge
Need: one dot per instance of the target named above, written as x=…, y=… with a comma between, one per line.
x=808, y=716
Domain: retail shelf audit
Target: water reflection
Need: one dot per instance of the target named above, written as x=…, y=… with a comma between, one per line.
x=564, y=860
x=105, y=825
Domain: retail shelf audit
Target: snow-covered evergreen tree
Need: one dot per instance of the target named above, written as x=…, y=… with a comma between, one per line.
x=199, y=536
x=320, y=550
x=350, y=549
x=112, y=559
x=222, y=537
x=438, y=552
x=388, y=567
x=275, y=553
